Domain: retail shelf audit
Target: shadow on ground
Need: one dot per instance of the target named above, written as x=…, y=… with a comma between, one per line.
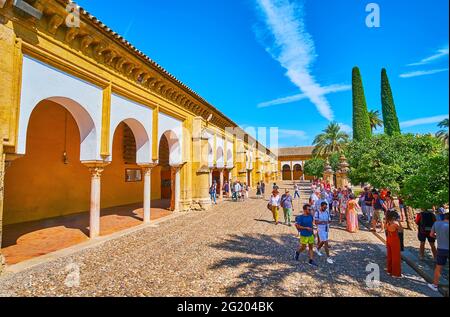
x=257, y=255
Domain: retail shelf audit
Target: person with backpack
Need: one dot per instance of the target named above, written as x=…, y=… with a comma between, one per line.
x=226, y=189
x=213, y=193
x=286, y=204
x=258, y=190
x=322, y=220
x=379, y=210
x=305, y=226
x=440, y=231
x=263, y=189
x=425, y=221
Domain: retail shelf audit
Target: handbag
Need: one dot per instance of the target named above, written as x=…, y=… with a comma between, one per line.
x=269, y=206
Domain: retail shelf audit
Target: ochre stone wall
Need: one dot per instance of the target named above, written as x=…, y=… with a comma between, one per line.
x=39, y=185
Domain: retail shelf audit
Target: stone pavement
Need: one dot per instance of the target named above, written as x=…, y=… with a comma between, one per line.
x=231, y=250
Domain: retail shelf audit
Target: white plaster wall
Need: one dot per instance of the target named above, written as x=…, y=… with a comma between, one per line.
x=211, y=149
x=230, y=159
x=139, y=118
x=297, y=162
x=82, y=99
x=168, y=123
x=220, y=148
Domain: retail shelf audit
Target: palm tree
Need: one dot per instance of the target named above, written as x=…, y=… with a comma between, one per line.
x=443, y=134
x=331, y=140
x=375, y=120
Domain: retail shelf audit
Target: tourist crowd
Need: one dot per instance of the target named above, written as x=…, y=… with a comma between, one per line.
x=377, y=206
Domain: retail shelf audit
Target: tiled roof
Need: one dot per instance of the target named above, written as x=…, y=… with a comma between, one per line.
x=295, y=151
x=129, y=46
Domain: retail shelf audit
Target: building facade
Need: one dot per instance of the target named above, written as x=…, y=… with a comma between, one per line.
x=87, y=121
x=291, y=162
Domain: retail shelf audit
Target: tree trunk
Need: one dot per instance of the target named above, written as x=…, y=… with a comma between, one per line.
x=410, y=219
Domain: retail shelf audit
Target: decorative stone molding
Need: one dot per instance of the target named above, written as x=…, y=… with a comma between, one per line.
x=54, y=23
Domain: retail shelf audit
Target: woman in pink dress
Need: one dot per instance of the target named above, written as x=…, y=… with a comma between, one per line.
x=352, y=214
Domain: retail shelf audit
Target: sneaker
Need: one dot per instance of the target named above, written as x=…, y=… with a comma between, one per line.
x=297, y=255
x=330, y=261
x=433, y=287
x=312, y=263
x=318, y=252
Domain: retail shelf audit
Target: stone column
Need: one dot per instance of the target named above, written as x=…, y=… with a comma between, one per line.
x=210, y=182
x=176, y=187
x=96, y=169
x=303, y=170
x=221, y=184
x=2, y=179
x=147, y=169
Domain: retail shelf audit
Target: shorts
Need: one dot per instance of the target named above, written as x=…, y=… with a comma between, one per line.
x=378, y=215
x=323, y=235
x=424, y=236
x=307, y=240
x=441, y=257
x=369, y=211
x=335, y=203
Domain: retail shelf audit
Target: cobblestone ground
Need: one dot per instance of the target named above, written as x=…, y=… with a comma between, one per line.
x=232, y=250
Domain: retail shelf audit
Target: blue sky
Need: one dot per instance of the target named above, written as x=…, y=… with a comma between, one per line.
x=288, y=63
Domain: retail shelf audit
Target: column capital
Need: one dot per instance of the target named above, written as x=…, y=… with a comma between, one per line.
x=95, y=167
x=148, y=166
x=177, y=166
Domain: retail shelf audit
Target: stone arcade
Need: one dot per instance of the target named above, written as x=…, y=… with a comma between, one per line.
x=88, y=122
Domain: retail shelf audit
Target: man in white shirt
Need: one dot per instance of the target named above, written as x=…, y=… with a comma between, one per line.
x=314, y=198
x=322, y=220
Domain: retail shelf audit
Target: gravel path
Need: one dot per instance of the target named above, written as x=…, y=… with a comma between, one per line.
x=232, y=250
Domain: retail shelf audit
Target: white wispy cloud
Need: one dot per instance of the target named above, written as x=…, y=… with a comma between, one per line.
x=423, y=73
x=422, y=121
x=346, y=128
x=437, y=55
x=294, y=48
x=297, y=134
x=325, y=91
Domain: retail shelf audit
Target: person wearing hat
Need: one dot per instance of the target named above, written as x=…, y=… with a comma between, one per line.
x=274, y=202
x=286, y=204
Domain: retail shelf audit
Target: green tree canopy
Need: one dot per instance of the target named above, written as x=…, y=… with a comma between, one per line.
x=314, y=167
x=428, y=186
x=331, y=140
x=361, y=124
x=390, y=119
x=385, y=161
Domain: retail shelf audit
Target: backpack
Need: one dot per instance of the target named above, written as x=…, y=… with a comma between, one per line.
x=427, y=220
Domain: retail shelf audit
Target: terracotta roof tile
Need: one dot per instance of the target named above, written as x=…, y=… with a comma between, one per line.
x=291, y=151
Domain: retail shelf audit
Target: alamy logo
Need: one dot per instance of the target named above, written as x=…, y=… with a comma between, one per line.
x=73, y=276
x=374, y=18
x=373, y=278
x=73, y=18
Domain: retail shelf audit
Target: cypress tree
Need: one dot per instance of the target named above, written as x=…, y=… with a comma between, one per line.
x=361, y=122
x=391, y=124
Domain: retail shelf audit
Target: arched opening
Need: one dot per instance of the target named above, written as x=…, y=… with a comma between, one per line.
x=298, y=172
x=49, y=184
x=286, y=172
x=169, y=155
